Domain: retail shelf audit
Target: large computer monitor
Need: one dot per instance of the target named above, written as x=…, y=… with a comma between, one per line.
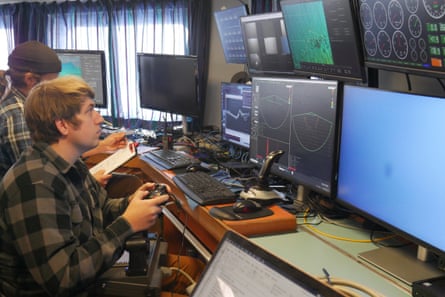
x=392, y=167
x=324, y=38
x=229, y=29
x=169, y=83
x=404, y=36
x=298, y=116
x=266, y=44
x=236, y=103
x=90, y=65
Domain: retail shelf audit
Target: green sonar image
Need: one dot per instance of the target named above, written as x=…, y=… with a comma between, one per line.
x=308, y=35
x=70, y=66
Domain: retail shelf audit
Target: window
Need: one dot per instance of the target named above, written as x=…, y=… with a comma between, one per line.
x=6, y=34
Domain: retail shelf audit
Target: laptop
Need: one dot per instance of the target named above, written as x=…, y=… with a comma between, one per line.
x=239, y=267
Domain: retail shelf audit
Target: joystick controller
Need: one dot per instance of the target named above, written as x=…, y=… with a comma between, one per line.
x=159, y=190
x=261, y=192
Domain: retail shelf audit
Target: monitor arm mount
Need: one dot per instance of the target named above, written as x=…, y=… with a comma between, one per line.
x=261, y=192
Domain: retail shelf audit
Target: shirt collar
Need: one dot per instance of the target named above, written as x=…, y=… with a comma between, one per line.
x=61, y=164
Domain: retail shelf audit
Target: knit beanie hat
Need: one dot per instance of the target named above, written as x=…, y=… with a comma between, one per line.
x=34, y=56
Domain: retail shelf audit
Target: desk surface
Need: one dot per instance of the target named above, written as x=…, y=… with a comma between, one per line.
x=303, y=248
x=313, y=254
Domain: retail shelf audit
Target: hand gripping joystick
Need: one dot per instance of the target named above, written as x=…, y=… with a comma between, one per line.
x=159, y=190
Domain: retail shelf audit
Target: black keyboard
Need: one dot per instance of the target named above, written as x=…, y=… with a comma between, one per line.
x=203, y=188
x=169, y=159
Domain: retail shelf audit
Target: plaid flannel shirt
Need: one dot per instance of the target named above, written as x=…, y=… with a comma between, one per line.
x=58, y=229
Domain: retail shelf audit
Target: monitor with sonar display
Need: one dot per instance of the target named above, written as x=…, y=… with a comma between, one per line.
x=324, y=38
x=90, y=65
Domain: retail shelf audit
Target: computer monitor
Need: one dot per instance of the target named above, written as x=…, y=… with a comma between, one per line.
x=90, y=65
x=169, y=83
x=324, y=38
x=229, y=29
x=236, y=103
x=298, y=116
x=239, y=267
x=404, y=36
x=266, y=44
x=391, y=169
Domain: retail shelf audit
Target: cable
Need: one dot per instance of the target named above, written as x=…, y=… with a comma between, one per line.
x=343, y=285
x=167, y=271
x=343, y=238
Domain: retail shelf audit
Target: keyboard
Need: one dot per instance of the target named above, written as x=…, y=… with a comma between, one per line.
x=169, y=159
x=203, y=188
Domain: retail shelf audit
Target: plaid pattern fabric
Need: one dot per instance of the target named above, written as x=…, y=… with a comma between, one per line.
x=3, y=83
x=57, y=227
x=14, y=133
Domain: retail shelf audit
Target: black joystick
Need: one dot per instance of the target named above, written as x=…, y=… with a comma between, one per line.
x=261, y=192
x=159, y=190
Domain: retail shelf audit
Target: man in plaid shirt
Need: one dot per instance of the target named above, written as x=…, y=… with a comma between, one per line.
x=58, y=229
x=30, y=63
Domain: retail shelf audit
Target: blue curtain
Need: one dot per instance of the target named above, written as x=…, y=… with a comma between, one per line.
x=263, y=6
x=121, y=28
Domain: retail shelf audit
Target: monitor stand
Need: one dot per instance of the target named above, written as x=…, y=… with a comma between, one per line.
x=185, y=130
x=300, y=200
x=402, y=263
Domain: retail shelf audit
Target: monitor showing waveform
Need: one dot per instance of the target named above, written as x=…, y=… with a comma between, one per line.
x=299, y=117
x=236, y=100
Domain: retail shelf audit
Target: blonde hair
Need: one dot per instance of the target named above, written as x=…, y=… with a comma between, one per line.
x=52, y=100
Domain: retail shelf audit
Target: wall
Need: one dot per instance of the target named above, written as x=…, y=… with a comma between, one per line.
x=219, y=70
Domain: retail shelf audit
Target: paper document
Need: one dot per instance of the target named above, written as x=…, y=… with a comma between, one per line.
x=116, y=159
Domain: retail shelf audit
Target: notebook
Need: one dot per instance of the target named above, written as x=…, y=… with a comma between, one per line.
x=241, y=268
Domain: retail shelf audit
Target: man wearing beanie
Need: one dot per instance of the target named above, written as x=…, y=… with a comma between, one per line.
x=30, y=63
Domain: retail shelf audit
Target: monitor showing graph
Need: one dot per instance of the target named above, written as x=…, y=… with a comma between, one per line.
x=299, y=117
x=236, y=101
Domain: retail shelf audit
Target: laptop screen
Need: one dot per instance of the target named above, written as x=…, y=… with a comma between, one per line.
x=241, y=268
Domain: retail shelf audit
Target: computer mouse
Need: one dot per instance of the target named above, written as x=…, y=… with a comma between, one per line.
x=246, y=206
x=196, y=167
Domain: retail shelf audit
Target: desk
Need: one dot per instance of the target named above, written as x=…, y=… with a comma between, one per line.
x=312, y=253
x=302, y=248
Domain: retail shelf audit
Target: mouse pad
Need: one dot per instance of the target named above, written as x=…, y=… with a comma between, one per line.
x=234, y=216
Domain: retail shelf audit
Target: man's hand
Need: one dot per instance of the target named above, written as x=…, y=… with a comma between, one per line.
x=142, y=213
x=102, y=178
x=111, y=143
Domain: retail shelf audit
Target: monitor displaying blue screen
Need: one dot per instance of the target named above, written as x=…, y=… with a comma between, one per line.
x=392, y=161
x=229, y=29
